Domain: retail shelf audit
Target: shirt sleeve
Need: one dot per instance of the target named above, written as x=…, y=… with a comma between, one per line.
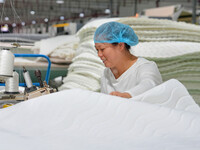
x=148, y=76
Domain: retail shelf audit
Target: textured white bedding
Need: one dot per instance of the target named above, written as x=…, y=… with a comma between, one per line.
x=84, y=120
x=165, y=49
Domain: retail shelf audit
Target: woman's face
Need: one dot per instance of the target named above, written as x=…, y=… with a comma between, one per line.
x=107, y=53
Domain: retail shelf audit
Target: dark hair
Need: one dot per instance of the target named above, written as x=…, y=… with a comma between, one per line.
x=128, y=47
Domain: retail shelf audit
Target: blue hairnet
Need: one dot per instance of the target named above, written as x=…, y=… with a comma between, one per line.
x=114, y=32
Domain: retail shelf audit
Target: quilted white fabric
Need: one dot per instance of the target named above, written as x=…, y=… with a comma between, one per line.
x=84, y=120
x=63, y=46
x=148, y=30
x=165, y=49
x=81, y=80
x=170, y=94
x=86, y=69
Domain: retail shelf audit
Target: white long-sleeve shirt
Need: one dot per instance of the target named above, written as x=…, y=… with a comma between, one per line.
x=140, y=77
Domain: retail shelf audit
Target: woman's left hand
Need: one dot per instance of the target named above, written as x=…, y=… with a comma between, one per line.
x=125, y=95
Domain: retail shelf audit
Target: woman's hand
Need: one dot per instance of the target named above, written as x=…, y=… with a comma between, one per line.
x=125, y=95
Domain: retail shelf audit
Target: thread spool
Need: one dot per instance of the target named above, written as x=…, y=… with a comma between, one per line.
x=27, y=78
x=6, y=64
x=12, y=84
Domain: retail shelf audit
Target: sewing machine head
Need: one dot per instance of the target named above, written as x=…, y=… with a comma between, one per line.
x=11, y=93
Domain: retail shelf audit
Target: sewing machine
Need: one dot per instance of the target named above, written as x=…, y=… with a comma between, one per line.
x=10, y=78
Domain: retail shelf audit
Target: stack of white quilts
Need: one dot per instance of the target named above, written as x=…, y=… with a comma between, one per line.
x=86, y=69
x=174, y=46
x=178, y=60
x=63, y=47
x=150, y=30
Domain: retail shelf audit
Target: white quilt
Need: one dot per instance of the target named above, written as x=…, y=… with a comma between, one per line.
x=164, y=118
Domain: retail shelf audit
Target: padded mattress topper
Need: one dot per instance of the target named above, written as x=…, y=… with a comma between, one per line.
x=85, y=120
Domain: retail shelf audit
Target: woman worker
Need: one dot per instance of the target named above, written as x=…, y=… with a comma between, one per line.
x=125, y=75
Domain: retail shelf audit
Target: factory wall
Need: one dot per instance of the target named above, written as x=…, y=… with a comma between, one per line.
x=118, y=9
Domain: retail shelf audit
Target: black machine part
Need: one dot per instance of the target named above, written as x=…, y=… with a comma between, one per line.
x=39, y=77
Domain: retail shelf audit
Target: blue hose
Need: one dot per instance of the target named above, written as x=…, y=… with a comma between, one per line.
x=36, y=55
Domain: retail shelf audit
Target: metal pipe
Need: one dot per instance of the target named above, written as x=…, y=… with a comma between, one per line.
x=111, y=8
x=135, y=10
x=37, y=55
x=194, y=2
x=157, y=3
